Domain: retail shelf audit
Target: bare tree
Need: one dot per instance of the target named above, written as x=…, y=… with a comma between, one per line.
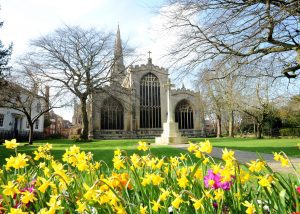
x=214, y=98
x=223, y=88
x=28, y=94
x=259, y=103
x=251, y=30
x=79, y=60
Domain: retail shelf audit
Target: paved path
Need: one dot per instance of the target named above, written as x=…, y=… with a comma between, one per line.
x=246, y=157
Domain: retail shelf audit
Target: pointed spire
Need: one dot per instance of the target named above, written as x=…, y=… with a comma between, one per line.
x=118, y=48
x=182, y=87
x=118, y=72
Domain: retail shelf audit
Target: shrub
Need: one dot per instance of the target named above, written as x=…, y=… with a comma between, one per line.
x=294, y=132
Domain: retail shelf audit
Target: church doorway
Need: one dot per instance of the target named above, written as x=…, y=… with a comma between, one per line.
x=112, y=115
x=184, y=115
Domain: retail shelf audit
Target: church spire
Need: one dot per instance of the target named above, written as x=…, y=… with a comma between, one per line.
x=118, y=72
x=118, y=48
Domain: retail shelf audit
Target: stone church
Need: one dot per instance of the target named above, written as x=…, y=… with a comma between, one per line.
x=134, y=104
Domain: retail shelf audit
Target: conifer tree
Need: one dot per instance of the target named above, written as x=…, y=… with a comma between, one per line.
x=5, y=54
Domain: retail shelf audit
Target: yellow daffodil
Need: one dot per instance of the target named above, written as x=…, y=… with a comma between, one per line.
x=206, y=147
x=54, y=204
x=177, y=201
x=198, y=154
x=244, y=176
x=156, y=206
x=183, y=182
x=264, y=182
x=143, y=210
x=10, y=189
x=256, y=166
x=11, y=144
x=198, y=174
x=118, y=163
x=192, y=147
x=146, y=180
x=17, y=211
x=164, y=194
x=143, y=146
x=228, y=155
x=207, y=194
x=81, y=207
x=44, y=211
x=277, y=156
x=119, y=209
x=250, y=207
x=198, y=204
x=216, y=168
x=174, y=161
x=159, y=164
x=284, y=162
x=225, y=175
x=219, y=194
x=135, y=160
x=156, y=179
x=18, y=162
x=43, y=184
x=21, y=178
x=205, y=161
x=182, y=157
x=90, y=193
x=117, y=152
x=28, y=197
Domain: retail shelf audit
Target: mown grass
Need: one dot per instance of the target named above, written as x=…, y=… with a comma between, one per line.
x=288, y=145
x=101, y=149
x=104, y=149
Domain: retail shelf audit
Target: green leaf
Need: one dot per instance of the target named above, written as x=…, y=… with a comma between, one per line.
x=282, y=197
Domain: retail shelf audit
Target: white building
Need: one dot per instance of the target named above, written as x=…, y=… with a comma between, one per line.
x=14, y=124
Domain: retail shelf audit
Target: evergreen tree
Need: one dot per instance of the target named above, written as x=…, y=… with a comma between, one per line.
x=4, y=57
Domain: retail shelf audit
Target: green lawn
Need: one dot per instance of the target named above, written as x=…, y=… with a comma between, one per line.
x=102, y=149
x=289, y=146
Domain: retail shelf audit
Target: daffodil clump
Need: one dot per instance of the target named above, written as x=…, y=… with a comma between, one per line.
x=143, y=183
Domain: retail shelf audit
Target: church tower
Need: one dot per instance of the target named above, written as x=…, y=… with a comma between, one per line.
x=118, y=69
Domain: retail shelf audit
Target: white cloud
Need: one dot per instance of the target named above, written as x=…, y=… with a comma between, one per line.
x=160, y=39
x=26, y=20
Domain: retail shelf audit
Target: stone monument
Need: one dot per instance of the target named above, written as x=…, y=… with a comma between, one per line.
x=171, y=134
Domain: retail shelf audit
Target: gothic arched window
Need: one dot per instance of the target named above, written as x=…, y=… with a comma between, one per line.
x=184, y=115
x=112, y=115
x=150, y=113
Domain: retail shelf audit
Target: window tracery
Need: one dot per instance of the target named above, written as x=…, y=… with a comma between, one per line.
x=112, y=115
x=150, y=107
x=184, y=115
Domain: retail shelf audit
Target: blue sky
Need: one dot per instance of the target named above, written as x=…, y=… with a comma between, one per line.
x=26, y=20
x=138, y=20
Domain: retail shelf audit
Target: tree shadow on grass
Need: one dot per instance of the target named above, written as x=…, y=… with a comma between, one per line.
x=292, y=151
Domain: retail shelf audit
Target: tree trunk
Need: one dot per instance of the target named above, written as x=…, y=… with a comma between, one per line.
x=219, y=127
x=30, y=138
x=230, y=124
x=85, y=120
x=259, y=131
x=254, y=127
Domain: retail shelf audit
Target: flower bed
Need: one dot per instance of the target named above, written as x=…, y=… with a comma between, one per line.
x=144, y=184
